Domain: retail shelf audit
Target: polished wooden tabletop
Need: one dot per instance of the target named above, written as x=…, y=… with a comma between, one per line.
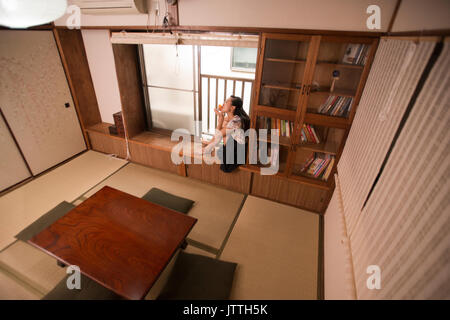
x=120, y=241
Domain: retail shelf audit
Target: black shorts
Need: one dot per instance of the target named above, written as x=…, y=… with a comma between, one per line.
x=231, y=160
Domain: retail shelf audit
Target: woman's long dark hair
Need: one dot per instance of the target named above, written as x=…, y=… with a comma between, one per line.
x=239, y=111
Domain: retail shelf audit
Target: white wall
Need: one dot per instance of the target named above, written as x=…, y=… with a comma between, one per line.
x=347, y=15
x=416, y=15
x=297, y=14
x=103, y=72
x=338, y=271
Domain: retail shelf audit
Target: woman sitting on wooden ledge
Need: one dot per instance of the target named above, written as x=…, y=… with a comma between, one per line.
x=232, y=122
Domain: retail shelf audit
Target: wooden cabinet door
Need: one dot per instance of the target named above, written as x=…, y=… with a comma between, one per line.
x=36, y=100
x=12, y=166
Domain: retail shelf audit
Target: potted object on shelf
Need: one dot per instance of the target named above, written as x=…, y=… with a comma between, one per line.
x=118, y=121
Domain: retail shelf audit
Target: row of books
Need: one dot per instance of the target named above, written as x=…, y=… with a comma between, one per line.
x=355, y=53
x=336, y=106
x=285, y=127
x=319, y=166
x=308, y=134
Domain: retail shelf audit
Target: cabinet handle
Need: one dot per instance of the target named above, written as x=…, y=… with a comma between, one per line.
x=67, y=105
x=309, y=90
x=303, y=89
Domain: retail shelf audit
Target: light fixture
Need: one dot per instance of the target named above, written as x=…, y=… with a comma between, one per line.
x=27, y=13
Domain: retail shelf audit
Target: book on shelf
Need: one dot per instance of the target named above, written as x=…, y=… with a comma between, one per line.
x=284, y=127
x=274, y=155
x=336, y=106
x=308, y=134
x=355, y=53
x=328, y=170
x=318, y=166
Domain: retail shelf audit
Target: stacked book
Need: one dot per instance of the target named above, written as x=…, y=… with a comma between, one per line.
x=355, y=53
x=336, y=106
x=319, y=166
x=308, y=134
x=285, y=127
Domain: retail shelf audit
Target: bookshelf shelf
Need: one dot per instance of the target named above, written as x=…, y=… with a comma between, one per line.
x=310, y=181
x=340, y=65
x=324, y=147
x=285, y=60
x=336, y=92
x=276, y=112
x=292, y=87
x=325, y=120
x=257, y=169
x=310, y=178
x=284, y=141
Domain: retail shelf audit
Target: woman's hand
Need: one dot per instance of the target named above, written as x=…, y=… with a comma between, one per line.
x=218, y=113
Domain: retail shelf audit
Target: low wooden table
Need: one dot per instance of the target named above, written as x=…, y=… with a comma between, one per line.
x=118, y=240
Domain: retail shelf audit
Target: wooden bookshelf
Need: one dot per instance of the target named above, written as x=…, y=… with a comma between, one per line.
x=287, y=60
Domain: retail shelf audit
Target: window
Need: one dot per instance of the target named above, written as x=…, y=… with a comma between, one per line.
x=243, y=59
x=171, y=86
x=173, y=78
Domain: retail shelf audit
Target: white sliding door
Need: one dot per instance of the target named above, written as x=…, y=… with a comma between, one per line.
x=36, y=100
x=12, y=166
x=393, y=77
x=405, y=226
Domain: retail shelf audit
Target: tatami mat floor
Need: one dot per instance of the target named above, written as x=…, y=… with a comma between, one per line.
x=275, y=246
x=24, y=205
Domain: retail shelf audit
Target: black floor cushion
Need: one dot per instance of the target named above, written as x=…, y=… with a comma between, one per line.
x=197, y=277
x=45, y=221
x=90, y=290
x=168, y=200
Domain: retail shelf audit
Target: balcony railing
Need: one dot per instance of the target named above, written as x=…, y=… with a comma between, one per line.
x=214, y=90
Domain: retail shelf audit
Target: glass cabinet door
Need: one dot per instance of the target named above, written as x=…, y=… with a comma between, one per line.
x=283, y=68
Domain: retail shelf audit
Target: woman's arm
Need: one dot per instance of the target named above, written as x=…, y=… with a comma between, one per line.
x=220, y=118
x=220, y=130
x=220, y=134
